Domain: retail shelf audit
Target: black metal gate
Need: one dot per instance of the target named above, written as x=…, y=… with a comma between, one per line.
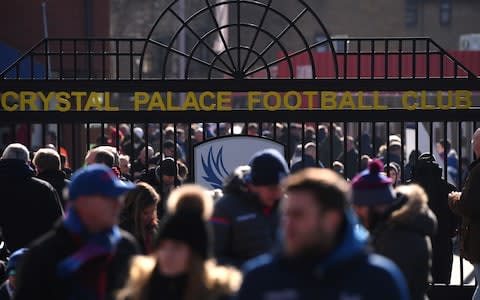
x=256, y=57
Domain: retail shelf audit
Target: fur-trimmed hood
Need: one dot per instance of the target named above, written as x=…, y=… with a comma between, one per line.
x=414, y=214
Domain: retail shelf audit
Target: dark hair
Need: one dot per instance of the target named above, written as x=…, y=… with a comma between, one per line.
x=104, y=157
x=445, y=144
x=136, y=200
x=331, y=192
x=168, y=144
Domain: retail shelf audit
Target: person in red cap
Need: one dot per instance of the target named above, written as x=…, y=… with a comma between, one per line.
x=85, y=256
x=400, y=222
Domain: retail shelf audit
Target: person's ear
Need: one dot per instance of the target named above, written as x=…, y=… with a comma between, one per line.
x=332, y=220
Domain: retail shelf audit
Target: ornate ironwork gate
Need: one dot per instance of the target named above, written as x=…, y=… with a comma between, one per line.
x=257, y=56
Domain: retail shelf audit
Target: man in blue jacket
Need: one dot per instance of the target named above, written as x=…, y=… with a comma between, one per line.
x=323, y=253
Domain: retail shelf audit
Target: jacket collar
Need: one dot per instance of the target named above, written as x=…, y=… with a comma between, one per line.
x=15, y=168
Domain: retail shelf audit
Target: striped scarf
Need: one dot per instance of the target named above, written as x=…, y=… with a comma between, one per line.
x=96, y=246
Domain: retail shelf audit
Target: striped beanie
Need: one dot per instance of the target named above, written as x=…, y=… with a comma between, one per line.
x=372, y=187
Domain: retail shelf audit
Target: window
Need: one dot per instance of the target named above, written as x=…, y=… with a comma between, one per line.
x=411, y=12
x=445, y=12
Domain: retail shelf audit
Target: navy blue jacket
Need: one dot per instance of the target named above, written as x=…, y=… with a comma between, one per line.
x=349, y=272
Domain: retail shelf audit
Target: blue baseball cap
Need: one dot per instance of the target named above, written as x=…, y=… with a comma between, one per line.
x=97, y=179
x=14, y=260
x=268, y=167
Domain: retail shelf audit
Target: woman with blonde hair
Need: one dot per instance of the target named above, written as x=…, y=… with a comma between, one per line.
x=180, y=267
x=139, y=215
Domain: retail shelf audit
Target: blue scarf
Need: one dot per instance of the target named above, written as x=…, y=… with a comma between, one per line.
x=97, y=245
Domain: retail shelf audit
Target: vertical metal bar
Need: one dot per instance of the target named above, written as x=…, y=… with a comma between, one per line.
x=460, y=173
x=160, y=126
x=147, y=158
x=89, y=58
x=331, y=134
x=372, y=59
x=47, y=71
x=289, y=155
x=445, y=153
x=32, y=67
x=74, y=147
x=238, y=36
x=387, y=161
x=386, y=58
x=190, y=152
x=416, y=136
x=402, y=138
x=132, y=148
x=303, y=144
x=275, y=131
x=346, y=167
x=232, y=126
x=175, y=154
x=428, y=59
x=374, y=137
x=414, y=59
x=103, y=60
x=17, y=71
x=75, y=59
x=218, y=128
x=441, y=65
x=88, y=137
x=431, y=137
x=455, y=70
x=317, y=141
x=345, y=59
x=131, y=58
x=400, y=54
x=117, y=137
x=360, y=144
x=204, y=125
x=61, y=59
x=59, y=139
x=359, y=61
x=117, y=59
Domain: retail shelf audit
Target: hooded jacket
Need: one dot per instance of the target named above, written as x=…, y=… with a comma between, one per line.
x=468, y=207
x=243, y=228
x=29, y=206
x=340, y=275
x=404, y=237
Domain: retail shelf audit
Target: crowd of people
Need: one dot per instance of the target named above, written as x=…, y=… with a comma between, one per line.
x=122, y=228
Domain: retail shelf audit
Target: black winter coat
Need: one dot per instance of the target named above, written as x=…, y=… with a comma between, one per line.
x=37, y=277
x=58, y=180
x=405, y=239
x=429, y=177
x=468, y=207
x=242, y=229
x=29, y=206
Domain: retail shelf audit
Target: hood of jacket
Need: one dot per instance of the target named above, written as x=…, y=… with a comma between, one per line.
x=15, y=168
x=235, y=182
x=352, y=244
x=414, y=215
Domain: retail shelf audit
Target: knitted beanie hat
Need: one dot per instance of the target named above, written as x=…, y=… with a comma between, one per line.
x=372, y=187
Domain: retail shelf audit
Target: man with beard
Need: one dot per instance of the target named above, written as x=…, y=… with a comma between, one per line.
x=323, y=253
